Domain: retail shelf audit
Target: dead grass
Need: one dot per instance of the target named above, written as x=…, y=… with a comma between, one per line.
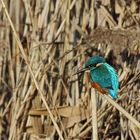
x=42, y=43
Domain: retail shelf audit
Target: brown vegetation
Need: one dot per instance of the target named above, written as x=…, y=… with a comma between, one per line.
x=50, y=40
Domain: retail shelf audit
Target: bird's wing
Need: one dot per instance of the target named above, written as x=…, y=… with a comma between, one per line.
x=105, y=75
x=114, y=77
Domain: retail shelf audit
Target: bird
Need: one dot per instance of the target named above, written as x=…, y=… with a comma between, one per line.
x=103, y=77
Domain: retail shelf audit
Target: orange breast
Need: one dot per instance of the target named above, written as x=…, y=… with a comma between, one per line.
x=99, y=88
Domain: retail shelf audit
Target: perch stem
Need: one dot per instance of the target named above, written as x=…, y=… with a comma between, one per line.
x=117, y=106
x=94, y=116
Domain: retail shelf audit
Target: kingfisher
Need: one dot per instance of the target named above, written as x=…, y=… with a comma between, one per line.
x=103, y=77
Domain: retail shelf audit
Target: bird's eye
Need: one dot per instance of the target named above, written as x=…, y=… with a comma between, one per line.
x=89, y=66
x=92, y=65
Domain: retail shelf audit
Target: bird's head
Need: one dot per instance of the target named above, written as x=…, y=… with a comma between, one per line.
x=92, y=63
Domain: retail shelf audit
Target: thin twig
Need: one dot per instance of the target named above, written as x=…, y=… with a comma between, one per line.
x=30, y=70
x=117, y=106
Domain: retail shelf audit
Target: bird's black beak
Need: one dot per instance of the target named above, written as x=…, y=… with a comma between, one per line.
x=81, y=71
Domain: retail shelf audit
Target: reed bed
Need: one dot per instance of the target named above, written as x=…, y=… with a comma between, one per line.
x=42, y=44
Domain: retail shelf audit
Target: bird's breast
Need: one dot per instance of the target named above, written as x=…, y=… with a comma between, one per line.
x=99, y=88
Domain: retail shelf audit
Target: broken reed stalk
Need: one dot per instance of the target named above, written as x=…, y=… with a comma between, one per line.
x=117, y=106
x=31, y=72
x=94, y=115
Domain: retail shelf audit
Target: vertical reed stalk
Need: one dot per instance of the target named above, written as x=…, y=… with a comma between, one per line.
x=31, y=72
x=94, y=115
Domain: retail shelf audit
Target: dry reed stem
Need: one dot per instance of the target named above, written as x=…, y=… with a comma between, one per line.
x=94, y=115
x=31, y=72
x=117, y=106
x=57, y=39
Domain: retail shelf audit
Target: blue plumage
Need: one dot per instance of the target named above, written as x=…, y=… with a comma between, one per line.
x=103, y=74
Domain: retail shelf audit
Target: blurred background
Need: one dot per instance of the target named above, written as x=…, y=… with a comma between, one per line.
x=58, y=36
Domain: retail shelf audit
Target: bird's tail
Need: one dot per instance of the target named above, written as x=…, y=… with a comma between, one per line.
x=113, y=94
